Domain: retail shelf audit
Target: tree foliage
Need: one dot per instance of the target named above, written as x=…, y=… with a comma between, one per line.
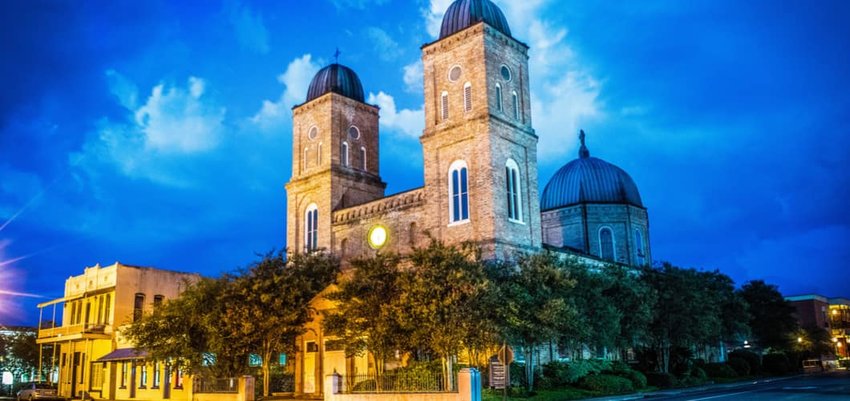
x=534, y=307
x=216, y=323
x=771, y=317
x=369, y=312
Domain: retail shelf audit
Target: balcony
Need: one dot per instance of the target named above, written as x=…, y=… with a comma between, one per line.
x=74, y=332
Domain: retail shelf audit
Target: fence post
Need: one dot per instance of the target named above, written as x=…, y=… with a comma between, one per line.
x=333, y=385
x=469, y=385
x=246, y=388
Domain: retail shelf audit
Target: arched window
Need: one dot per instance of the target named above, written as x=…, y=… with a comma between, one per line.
x=343, y=246
x=512, y=181
x=498, y=96
x=311, y=228
x=640, y=253
x=412, y=233
x=467, y=97
x=516, y=105
x=444, y=106
x=606, y=244
x=458, y=192
x=363, y=157
x=306, y=158
x=343, y=154
x=319, y=155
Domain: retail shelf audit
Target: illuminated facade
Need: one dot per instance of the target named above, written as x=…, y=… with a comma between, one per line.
x=480, y=167
x=831, y=314
x=88, y=352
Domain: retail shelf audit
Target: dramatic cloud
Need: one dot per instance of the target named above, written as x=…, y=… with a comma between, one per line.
x=173, y=123
x=413, y=76
x=296, y=80
x=386, y=47
x=249, y=28
x=408, y=123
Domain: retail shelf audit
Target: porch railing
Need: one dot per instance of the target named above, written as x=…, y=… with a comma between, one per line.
x=418, y=382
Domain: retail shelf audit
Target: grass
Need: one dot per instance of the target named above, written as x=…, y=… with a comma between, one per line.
x=563, y=394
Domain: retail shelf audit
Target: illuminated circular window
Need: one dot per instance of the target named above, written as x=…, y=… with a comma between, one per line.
x=455, y=73
x=353, y=132
x=314, y=133
x=506, y=73
x=378, y=237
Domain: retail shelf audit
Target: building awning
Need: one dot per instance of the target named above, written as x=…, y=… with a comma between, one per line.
x=123, y=354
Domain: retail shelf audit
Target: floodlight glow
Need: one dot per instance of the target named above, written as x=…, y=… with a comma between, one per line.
x=378, y=237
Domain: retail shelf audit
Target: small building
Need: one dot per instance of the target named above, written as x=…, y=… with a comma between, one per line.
x=83, y=326
x=830, y=314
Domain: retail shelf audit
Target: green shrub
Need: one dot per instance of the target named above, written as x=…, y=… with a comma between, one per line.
x=663, y=380
x=776, y=364
x=753, y=359
x=608, y=384
x=559, y=374
x=638, y=379
x=740, y=365
x=720, y=370
x=699, y=373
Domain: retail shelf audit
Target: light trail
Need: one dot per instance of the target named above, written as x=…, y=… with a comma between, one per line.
x=20, y=294
x=32, y=200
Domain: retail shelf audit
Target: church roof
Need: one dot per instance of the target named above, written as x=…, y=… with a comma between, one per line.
x=589, y=180
x=336, y=78
x=463, y=14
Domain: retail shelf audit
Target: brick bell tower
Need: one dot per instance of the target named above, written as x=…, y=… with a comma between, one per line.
x=334, y=157
x=479, y=147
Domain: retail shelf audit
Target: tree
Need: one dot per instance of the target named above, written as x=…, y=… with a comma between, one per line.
x=771, y=317
x=19, y=353
x=441, y=296
x=216, y=323
x=272, y=303
x=534, y=307
x=689, y=311
x=368, y=317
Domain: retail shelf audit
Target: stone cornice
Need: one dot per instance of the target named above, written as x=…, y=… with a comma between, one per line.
x=400, y=201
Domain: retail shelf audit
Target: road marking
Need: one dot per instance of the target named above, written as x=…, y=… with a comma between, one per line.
x=720, y=396
x=800, y=388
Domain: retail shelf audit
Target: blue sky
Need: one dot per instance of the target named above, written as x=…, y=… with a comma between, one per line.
x=158, y=133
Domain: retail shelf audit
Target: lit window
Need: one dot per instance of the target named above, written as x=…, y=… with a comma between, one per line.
x=156, y=374
x=606, y=244
x=498, y=97
x=640, y=254
x=512, y=182
x=444, y=102
x=311, y=228
x=467, y=97
x=363, y=157
x=343, y=157
x=458, y=192
x=516, y=105
x=143, y=382
x=138, y=306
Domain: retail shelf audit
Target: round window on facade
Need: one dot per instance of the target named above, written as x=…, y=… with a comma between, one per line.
x=353, y=132
x=455, y=73
x=506, y=73
x=314, y=133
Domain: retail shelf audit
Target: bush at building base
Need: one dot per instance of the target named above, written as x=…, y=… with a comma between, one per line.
x=608, y=384
x=740, y=365
x=662, y=380
x=753, y=359
x=776, y=364
x=720, y=370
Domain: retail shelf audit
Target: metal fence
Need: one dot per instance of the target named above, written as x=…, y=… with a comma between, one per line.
x=405, y=382
x=203, y=385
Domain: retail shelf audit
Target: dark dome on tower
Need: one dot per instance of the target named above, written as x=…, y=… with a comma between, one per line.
x=463, y=14
x=339, y=79
x=589, y=180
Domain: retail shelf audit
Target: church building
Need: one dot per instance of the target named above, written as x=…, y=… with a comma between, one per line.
x=480, y=165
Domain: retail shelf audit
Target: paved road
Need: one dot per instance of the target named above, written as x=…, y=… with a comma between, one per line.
x=823, y=387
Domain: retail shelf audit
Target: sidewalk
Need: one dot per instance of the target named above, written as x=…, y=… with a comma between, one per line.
x=677, y=391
